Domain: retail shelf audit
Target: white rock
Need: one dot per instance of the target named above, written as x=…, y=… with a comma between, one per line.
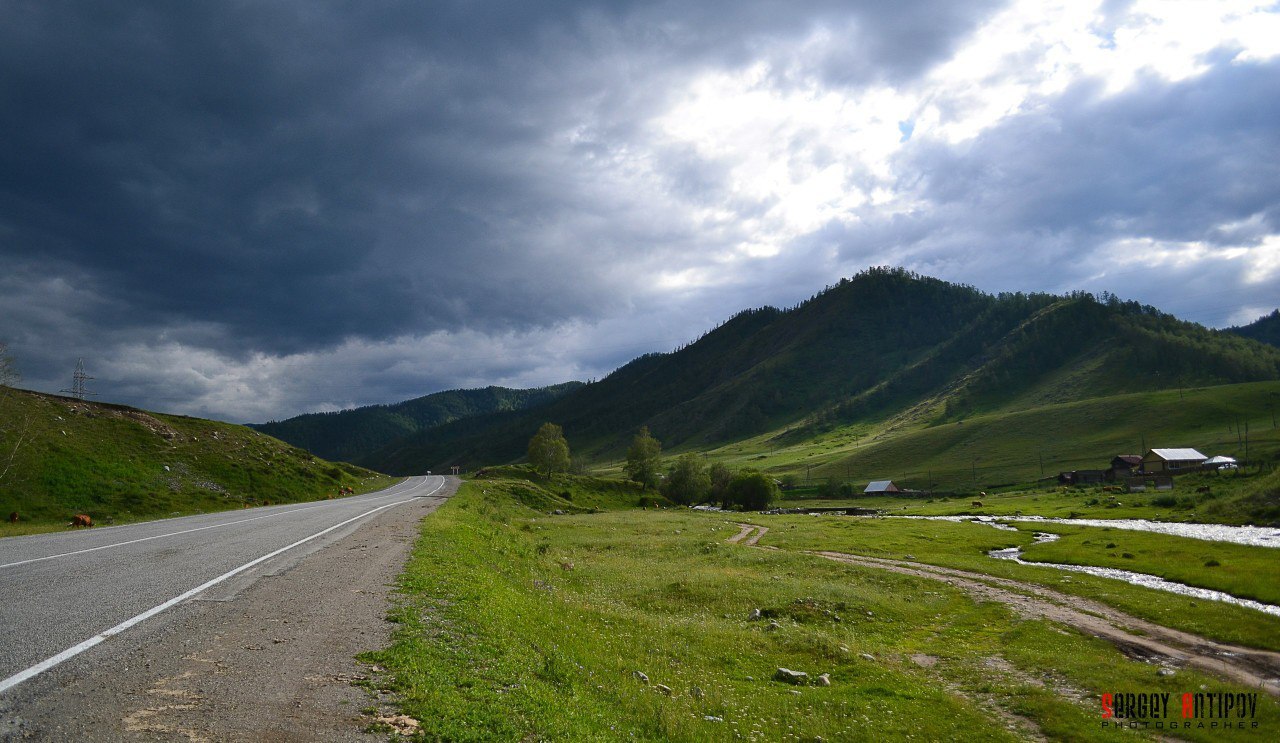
x=790, y=676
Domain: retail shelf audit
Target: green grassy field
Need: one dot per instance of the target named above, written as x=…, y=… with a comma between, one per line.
x=119, y=464
x=1021, y=446
x=1249, y=570
x=1229, y=499
x=517, y=625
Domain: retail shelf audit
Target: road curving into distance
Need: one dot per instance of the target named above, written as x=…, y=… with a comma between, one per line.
x=63, y=594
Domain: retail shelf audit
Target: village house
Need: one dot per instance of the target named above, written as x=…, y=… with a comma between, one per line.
x=881, y=487
x=1123, y=464
x=1172, y=461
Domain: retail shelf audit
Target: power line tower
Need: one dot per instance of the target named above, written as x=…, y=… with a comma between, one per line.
x=77, y=382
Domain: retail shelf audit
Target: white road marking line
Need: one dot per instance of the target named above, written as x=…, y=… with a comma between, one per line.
x=71, y=652
x=385, y=493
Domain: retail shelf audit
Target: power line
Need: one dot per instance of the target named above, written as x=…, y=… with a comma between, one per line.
x=78, y=378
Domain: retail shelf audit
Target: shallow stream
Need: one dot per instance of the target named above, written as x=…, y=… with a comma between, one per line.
x=1253, y=536
x=1138, y=579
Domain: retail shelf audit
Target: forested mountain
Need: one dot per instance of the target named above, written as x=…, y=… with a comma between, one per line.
x=885, y=343
x=350, y=434
x=1265, y=329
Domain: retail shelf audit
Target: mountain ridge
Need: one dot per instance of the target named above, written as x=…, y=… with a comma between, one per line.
x=871, y=347
x=347, y=434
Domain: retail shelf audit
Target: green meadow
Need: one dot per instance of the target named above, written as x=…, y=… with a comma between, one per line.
x=610, y=622
x=1005, y=447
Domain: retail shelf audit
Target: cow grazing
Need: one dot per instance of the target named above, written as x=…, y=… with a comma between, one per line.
x=81, y=519
x=978, y=503
x=13, y=517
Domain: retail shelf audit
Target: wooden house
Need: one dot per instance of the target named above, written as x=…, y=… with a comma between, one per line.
x=1126, y=463
x=881, y=487
x=1172, y=461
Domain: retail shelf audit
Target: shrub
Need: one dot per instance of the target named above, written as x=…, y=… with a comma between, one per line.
x=752, y=490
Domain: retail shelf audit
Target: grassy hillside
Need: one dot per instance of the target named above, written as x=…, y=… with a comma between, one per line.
x=349, y=435
x=1020, y=446
x=886, y=348
x=66, y=456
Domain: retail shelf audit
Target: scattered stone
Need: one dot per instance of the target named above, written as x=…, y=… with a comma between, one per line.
x=773, y=625
x=712, y=718
x=791, y=677
x=697, y=692
x=870, y=614
x=867, y=657
x=402, y=724
x=1165, y=672
x=641, y=677
x=924, y=661
x=797, y=693
x=908, y=557
x=823, y=680
x=844, y=648
x=663, y=688
x=557, y=512
x=753, y=615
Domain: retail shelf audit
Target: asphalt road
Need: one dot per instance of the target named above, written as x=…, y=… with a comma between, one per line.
x=62, y=595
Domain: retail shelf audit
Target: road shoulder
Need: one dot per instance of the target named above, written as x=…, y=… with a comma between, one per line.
x=272, y=662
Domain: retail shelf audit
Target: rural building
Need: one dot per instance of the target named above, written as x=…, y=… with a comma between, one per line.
x=1126, y=463
x=1082, y=477
x=1221, y=462
x=1172, y=460
x=877, y=487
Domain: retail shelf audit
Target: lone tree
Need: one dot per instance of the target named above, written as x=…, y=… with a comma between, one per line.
x=9, y=375
x=687, y=481
x=548, y=451
x=13, y=430
x=643, y=459
x=752, y=490
x=720, y=476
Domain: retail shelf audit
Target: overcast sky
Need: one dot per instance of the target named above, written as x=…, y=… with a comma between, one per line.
x=251, y=210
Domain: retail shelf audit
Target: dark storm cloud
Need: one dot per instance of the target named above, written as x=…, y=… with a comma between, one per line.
x=252, y=209
x=304, y=172
x=1165, y=160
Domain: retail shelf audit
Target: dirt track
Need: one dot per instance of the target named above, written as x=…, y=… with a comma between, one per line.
x=1135, y=637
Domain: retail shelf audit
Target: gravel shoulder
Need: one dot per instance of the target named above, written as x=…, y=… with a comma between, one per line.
x=269, y=656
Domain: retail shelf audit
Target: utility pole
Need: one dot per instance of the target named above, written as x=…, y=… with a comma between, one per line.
x=1246, y=444
x=78, y=379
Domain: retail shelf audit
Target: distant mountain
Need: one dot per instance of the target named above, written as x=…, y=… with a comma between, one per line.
x=1265, y=329
x=885, y=345
x=349, y=435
